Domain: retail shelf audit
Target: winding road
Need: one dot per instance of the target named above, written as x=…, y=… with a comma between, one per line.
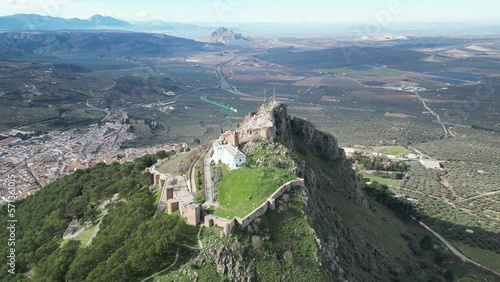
x=453, y=249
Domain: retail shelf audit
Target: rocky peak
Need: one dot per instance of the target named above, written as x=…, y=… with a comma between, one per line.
x=306, y=141
x=226, y=36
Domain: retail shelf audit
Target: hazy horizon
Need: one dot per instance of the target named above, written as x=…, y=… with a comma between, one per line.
x=260, y=11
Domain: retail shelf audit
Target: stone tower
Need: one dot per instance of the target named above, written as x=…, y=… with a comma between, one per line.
x=193, y=214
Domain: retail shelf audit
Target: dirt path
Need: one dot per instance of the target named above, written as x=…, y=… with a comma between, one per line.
x=453, y=249
x=200, y=244
x=422, y=154
x=480, y=196
x=446, y=184
x=89, y=242
x=159, y=272
x=446, y=132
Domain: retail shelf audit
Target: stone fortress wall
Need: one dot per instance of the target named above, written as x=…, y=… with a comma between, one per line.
x=228, y=225
x=190, y=211
x=256, y=125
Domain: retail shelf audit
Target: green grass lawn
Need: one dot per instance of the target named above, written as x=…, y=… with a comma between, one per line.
x=482, y=256
x=381, y=180
x=394, y=150
x=85, y=235
x=244, y=189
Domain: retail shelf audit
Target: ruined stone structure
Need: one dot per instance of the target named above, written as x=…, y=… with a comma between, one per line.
x=172, y=205
x=268, y=132
x=156, y=179
x=233, y=138
x=225, y=149
x=170, y=193
x=257, y=124
x=190, y=211
x=193, y=214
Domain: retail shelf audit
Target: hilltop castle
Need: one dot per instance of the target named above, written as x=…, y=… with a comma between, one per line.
x=226, y=147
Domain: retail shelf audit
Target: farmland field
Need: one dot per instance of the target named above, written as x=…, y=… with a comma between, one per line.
x=381, y=180
x=394, y=150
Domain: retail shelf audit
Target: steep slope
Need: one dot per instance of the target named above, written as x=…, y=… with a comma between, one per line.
x=338, y=211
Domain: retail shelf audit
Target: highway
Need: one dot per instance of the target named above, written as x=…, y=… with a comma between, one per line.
x=223, y=80
x=92, y=108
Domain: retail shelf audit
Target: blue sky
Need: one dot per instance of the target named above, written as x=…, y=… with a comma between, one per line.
x=284, y=11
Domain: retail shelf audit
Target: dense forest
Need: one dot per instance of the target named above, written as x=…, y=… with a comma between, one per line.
x=130, y=243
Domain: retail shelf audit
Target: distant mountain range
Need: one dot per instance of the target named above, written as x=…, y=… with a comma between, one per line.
x=33, y=22
x=22, y=22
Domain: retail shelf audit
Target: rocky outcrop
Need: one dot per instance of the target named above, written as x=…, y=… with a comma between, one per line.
x=226, y=36
x=303, y=137
x=227, y=259
x=322, y=163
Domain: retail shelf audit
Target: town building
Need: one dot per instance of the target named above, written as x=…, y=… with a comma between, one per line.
x=225, y=149
x=430, y=164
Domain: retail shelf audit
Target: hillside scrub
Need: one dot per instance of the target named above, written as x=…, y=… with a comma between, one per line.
x=129, y=245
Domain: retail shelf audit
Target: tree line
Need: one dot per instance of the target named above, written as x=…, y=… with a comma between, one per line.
x=379, y=163
x=381, y=194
